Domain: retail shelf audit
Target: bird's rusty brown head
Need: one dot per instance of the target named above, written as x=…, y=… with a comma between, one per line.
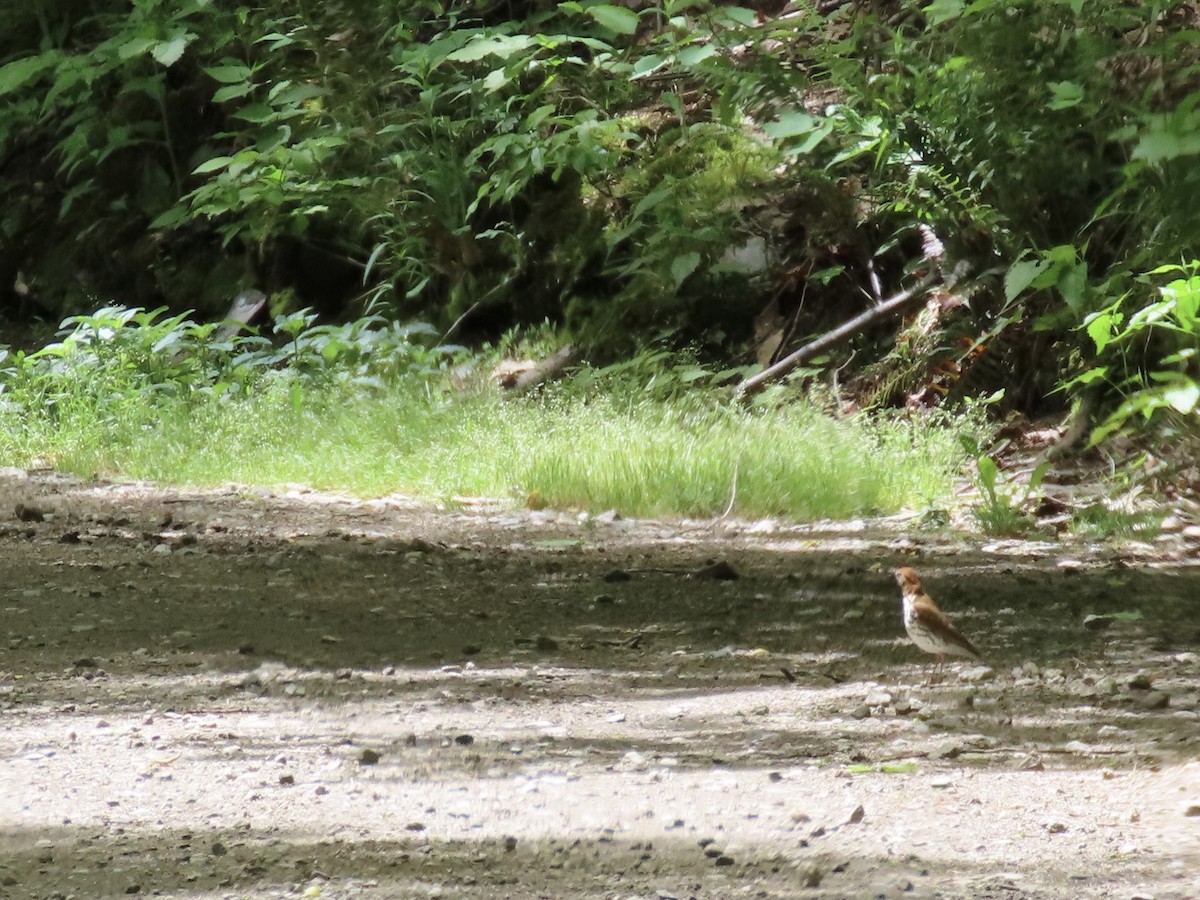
x=909, y=581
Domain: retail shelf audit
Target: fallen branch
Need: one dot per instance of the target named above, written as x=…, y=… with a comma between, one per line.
x=755, y=383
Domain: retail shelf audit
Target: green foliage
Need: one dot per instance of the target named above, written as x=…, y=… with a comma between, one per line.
x=1129, y=330
x=368, y=407
x=1003, y=507
x=597, y=164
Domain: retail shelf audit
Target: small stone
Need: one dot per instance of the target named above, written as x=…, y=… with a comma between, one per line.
x=857, y=815
x=878, y=698
x=861, y=711
x=1140, y=681
x=28, y=513
x=287, y=779
x=1107, y=685
x=369, y=757
x=1078, y=747
x=1154, y=700
x=1191, y=810
x=464, y=740
x=718, y=571
x=1097, y=623
x=723, y=860
x=1056, y=828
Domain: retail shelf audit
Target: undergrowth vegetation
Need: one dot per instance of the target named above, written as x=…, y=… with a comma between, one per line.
x=736, y=178
x=372, y=409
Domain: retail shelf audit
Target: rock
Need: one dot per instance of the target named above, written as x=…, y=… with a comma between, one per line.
x=1191, y=810
x=1097, y=622
x=545, y=643
x=861, y=712
x=1185, y=701
x=1056, y=827
x=617, y=575
x=718, y=571
x=1078, y=747
x=1107, y=685
x=1140, y=681
x=906, y=705
x=856, y=816
x=1154, y=700
x=464, y=740
x=29, y=513
x=368, y=757
x=977, y=674
x=878, y=698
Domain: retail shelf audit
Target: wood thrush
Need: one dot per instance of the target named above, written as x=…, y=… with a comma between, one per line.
x=928, y=626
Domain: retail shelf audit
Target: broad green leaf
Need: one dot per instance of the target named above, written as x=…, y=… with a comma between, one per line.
x=212, y=165
x=695, y=54
x=1072, y=284
x=496, y=79
x=684, y=265
x=504, y=46
x=940, y=11
x=649, y=63
x=790, y=124
x=1021, y=275
x=135, y=47
x=988, y=472
x=233, y=91
x=229, y=74
x=1064, y=95
x=170, y=52
x=614, y=18
x=1100, y=328
x=20, y=72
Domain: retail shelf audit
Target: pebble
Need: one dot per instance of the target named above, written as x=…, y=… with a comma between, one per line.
x=878, y=698
x=1140, y=681
x=1097, y=623
x=1154, y=700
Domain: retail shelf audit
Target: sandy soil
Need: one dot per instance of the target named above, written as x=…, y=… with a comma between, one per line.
x=251, y=694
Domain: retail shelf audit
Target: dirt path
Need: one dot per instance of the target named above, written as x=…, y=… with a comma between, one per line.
x=244, y=694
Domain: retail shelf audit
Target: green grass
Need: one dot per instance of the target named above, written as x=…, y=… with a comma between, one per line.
x=642, y=457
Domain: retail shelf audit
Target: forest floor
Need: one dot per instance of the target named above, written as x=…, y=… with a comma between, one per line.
x=240, y=693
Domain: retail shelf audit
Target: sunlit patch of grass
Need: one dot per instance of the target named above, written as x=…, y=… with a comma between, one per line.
x=651, y=457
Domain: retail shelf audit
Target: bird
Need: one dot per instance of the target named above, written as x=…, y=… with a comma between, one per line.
x=927, y=626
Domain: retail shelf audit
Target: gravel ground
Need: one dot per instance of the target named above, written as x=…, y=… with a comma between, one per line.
x=254, y=694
